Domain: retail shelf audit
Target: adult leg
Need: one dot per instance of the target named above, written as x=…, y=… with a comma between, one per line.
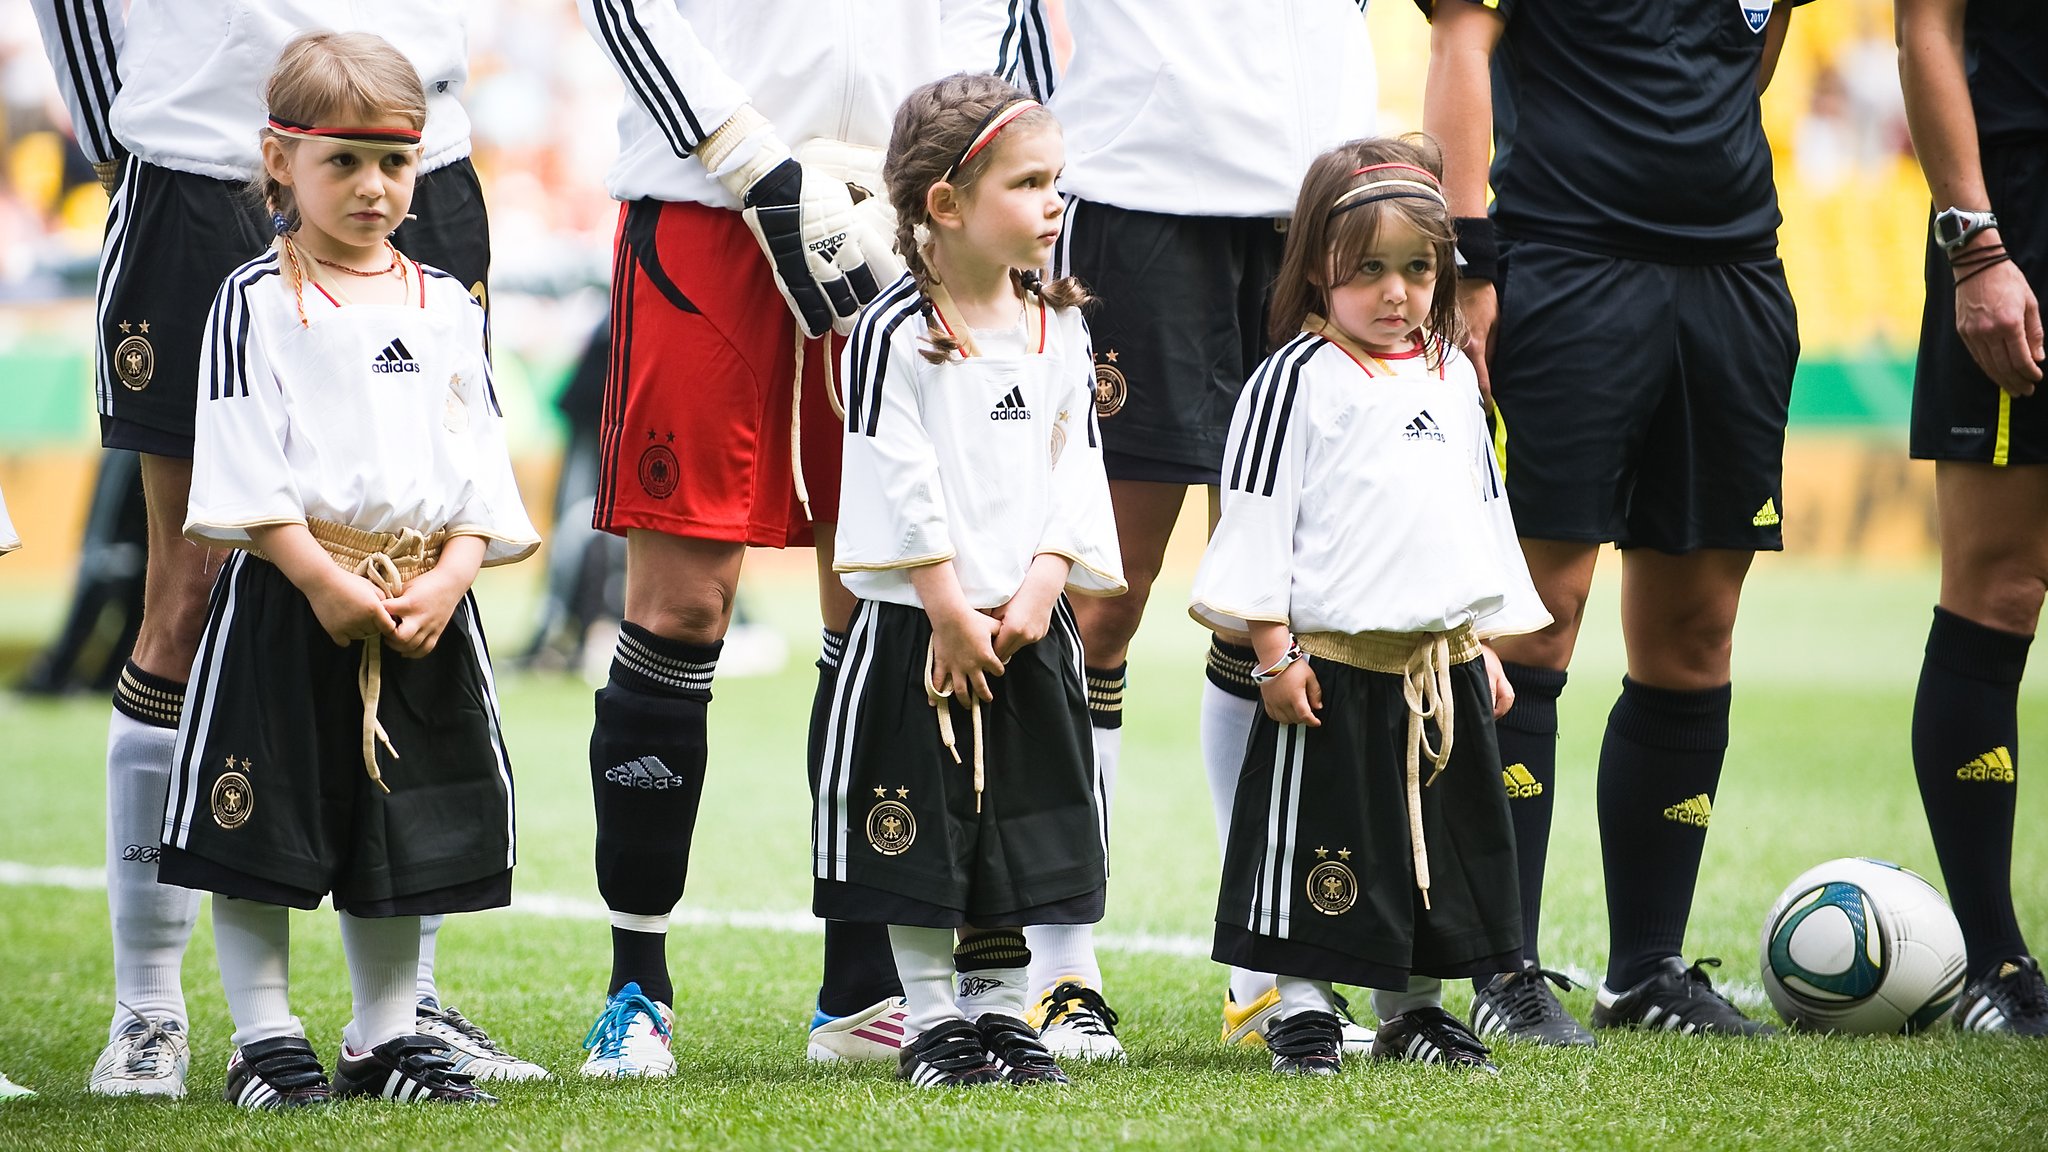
x=151, y=922
x=1966, y=711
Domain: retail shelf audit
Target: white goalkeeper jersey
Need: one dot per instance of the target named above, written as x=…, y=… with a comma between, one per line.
x=9, y=538
x=379, y=417
x=179, y=83
x=1361, y=494
x=817, y=69
x=987, y=460
x=1207, y=107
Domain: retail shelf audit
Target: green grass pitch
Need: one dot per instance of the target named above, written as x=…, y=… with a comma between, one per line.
x=1826, y=659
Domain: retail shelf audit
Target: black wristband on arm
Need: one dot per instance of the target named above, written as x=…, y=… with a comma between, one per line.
x=1478, y=253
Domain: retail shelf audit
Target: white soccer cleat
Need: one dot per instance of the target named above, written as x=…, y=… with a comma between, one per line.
x=148, y=1058
x=1246, y=1024
x=475, y=1054
x=877, y=1032
x=630, y=1038
x=1074, y=1022
x=9, y=1090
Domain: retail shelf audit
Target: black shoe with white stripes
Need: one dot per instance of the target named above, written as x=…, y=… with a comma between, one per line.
x=2012, y=998
x=407, y=1068
x=949, y=1055
x=273, y=1075
x=1521, y=1006
x=1675, y=999
x=1307, y=1044
x=1017, y=1052
x=1430, y=1036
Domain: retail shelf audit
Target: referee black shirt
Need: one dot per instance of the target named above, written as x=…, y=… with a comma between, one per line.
x=2005, y=53
x=1631, y=128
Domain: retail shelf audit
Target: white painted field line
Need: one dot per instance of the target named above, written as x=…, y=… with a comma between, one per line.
x=14, y=874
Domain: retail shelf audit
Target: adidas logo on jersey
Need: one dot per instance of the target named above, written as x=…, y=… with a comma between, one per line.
x=1766, y=516
x=1693, y=810
x=1011, y=407
x=647, y=772
x=394, y=358
x=1995, y=766
x=1423, y=427
x=1521, y=785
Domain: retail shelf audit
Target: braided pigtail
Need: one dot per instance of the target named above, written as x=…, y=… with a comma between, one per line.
x=1065, y=292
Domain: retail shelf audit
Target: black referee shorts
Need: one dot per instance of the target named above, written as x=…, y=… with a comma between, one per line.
x=1179, y=325
x=172, y=237
x=1644, y=403
x=1958, y=413
x=1318, y=880
x=896, y=834
x=269, y=799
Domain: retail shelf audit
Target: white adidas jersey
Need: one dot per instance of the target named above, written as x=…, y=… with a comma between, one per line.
x=1361, y=494
x=817, y=69
x=179, y=83
x=9, y=538
x=987, y=461
x=380, y=417
x=1209, y=107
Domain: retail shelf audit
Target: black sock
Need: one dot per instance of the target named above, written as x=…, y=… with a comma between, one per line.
x=1106, y=695
x=1659, y=765
x=1528, y=756
x=647, y=759
x=1230, y=668
x=1966, y=751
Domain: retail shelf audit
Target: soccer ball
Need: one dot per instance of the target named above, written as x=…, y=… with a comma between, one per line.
x=1862, y=946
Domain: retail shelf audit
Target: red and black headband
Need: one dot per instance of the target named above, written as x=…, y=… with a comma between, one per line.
x=352, y=137
x=998, y=118
x=1374, y=191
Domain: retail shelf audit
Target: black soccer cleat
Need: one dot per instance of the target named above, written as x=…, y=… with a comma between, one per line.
x=2012, y=999
x=1431, y=1036
x=949, y=1055
x=1016, y=1051
x=409, y=1069
x=273, y=1075
x=1307, y=1044
x=1521, y=1006
x=1675, y=999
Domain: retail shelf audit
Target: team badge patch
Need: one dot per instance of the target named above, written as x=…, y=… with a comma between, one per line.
x=1111, y=389
x=1756, y=13
x=134, y=357
x=891, y=827
x=233, y=799
x=659, y=471
x=1332, y=885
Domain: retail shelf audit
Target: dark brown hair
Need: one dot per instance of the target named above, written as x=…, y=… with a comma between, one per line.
x=1320, y=245
x=335, y=78
x=933, y=127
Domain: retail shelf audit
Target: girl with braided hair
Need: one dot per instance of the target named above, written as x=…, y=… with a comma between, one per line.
x=959, y=799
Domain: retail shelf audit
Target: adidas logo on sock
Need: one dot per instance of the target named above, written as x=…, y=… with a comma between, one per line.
x=978, y=985
x=646, y=772
x=394, y=358
x=1423, y=427
x=1766, y=516
x=1521, y=785
x=1995, y=766
x=1693, y=810
x=1011, y=407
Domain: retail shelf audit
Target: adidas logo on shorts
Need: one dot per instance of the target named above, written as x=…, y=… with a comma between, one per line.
x=646, y=772
x=1995, y=767
x=1011, y=407
x=394, y=358
x=1423, y=427
x=1693, y=810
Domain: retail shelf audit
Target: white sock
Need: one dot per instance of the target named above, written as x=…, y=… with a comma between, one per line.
x=254, y=944
x=1062, y=952
x=1298, y=995
x=924, y=963
x=1423, y=992
x=423, y=988
x=383, y=962
x=1226, y=726
x=993, y=965
x=1109, y=750
x=152, y=922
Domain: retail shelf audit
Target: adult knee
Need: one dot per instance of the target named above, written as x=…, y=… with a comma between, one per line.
x=2003, y=592
x=687, y=609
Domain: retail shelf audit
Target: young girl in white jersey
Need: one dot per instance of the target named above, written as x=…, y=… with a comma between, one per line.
x=1366, y=546
x=959, y=799
x=349, y=448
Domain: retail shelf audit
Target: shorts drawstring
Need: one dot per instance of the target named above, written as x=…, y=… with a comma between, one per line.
x=796, y=415
x=940, y=699
x=1426, y=685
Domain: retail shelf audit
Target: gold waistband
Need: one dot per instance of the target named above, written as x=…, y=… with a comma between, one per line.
x=406, y=552
x=1387, y=652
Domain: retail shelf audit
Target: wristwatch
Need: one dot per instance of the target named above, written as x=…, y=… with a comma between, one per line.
x=1955, y=227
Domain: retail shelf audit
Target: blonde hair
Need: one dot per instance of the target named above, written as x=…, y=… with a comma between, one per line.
x=335, y=78
x=934, y=126
x=1320, y=245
